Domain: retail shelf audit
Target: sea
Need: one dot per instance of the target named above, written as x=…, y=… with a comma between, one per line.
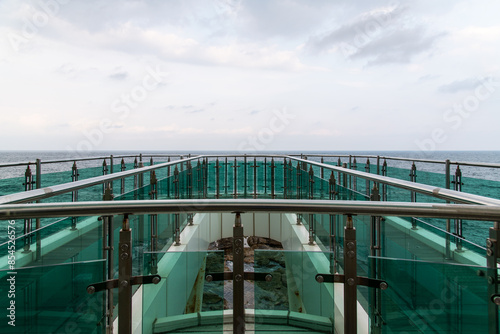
x=492, y=157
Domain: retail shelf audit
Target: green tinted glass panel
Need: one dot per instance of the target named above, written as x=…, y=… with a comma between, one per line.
x=425, y=297
x=54, y=299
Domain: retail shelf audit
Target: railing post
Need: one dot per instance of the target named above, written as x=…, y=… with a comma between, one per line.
x=238, y=274
x=74, y=194
x=111, y=164
x=413, y=195
x=458, y=222
x=235, y=175
x=38, y=225
x=273, y=166
x=245, y=174
x=375, y=248
x=28, y=185
x=312, y=232
x=367, y=169
x=104, y=172
x=217, y=178
x=492, y=254
x=384, y=186
x=299, y=180
x=124, y=279
x=311, y=183
x=135, y=176
x=123, y=167
x=285, y=179
x=226, y=177
x=108, y=250
x=265, y=176
x=448, y=222
x=332, y=187
x=153, y=219
x=255, y=166
x=350, y=273
x=355, y=179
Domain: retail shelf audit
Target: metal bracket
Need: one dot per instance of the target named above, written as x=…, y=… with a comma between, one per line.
x=229, y=276
x=112, y=284
x=365, y=281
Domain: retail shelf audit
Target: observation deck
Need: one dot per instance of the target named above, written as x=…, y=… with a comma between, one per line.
x=370, y=244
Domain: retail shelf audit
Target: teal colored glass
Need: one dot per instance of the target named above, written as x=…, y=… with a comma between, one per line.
x=293, y=300
x=427, y=297
x=183, y=300
x=54, y=299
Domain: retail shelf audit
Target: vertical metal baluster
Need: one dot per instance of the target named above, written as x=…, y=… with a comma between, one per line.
x=448, y=221
x=384, y=186
x=38, y=171
x=272, y=178
x=104, y=172
x=355, y=179
x=217, y=176
x=458, y=222
x=298, y=168
x=492, y=254
x=108, y=244
x=74, y=194
x=238, y=275
x=245, y=176
x=311, y=183
x=135, y=176
x=123, y=167
x=375, y=246
x=350, y=275
x=153, y=220
x=124, y=279
x=235, y=174
x=265, y=176
x=413, y=195
x=28, y=185
x=226, y=178
x=255, y=166
x=285, y=179
x=367, y=169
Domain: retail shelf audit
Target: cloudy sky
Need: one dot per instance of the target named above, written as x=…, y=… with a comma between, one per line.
x=249, y=75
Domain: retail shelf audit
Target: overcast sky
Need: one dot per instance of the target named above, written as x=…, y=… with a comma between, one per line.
x=249, y=75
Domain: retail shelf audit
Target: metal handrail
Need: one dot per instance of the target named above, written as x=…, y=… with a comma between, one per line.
x=445, y=194
x=38, y=194
x=375, y=208
x=442, y=193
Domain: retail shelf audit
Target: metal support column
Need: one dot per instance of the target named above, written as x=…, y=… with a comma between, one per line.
x=108, y=250
x=74, y=194
x=235, y=176
x=367, y=169
x=355, y=179
x=458, y=222
x=28, y=185
x=273, y=166
x=38, y=225
x=217, y=178
x=448, y=221
x=492, y=254
x=245, y=177
x=350, y=283
x=124, y=279
x=384, y=186
x=255, y=166
x=375, y=247
x=238, y=275
x=153, y=219
x=413, y=195
x=123, y=167
x=285, y=179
